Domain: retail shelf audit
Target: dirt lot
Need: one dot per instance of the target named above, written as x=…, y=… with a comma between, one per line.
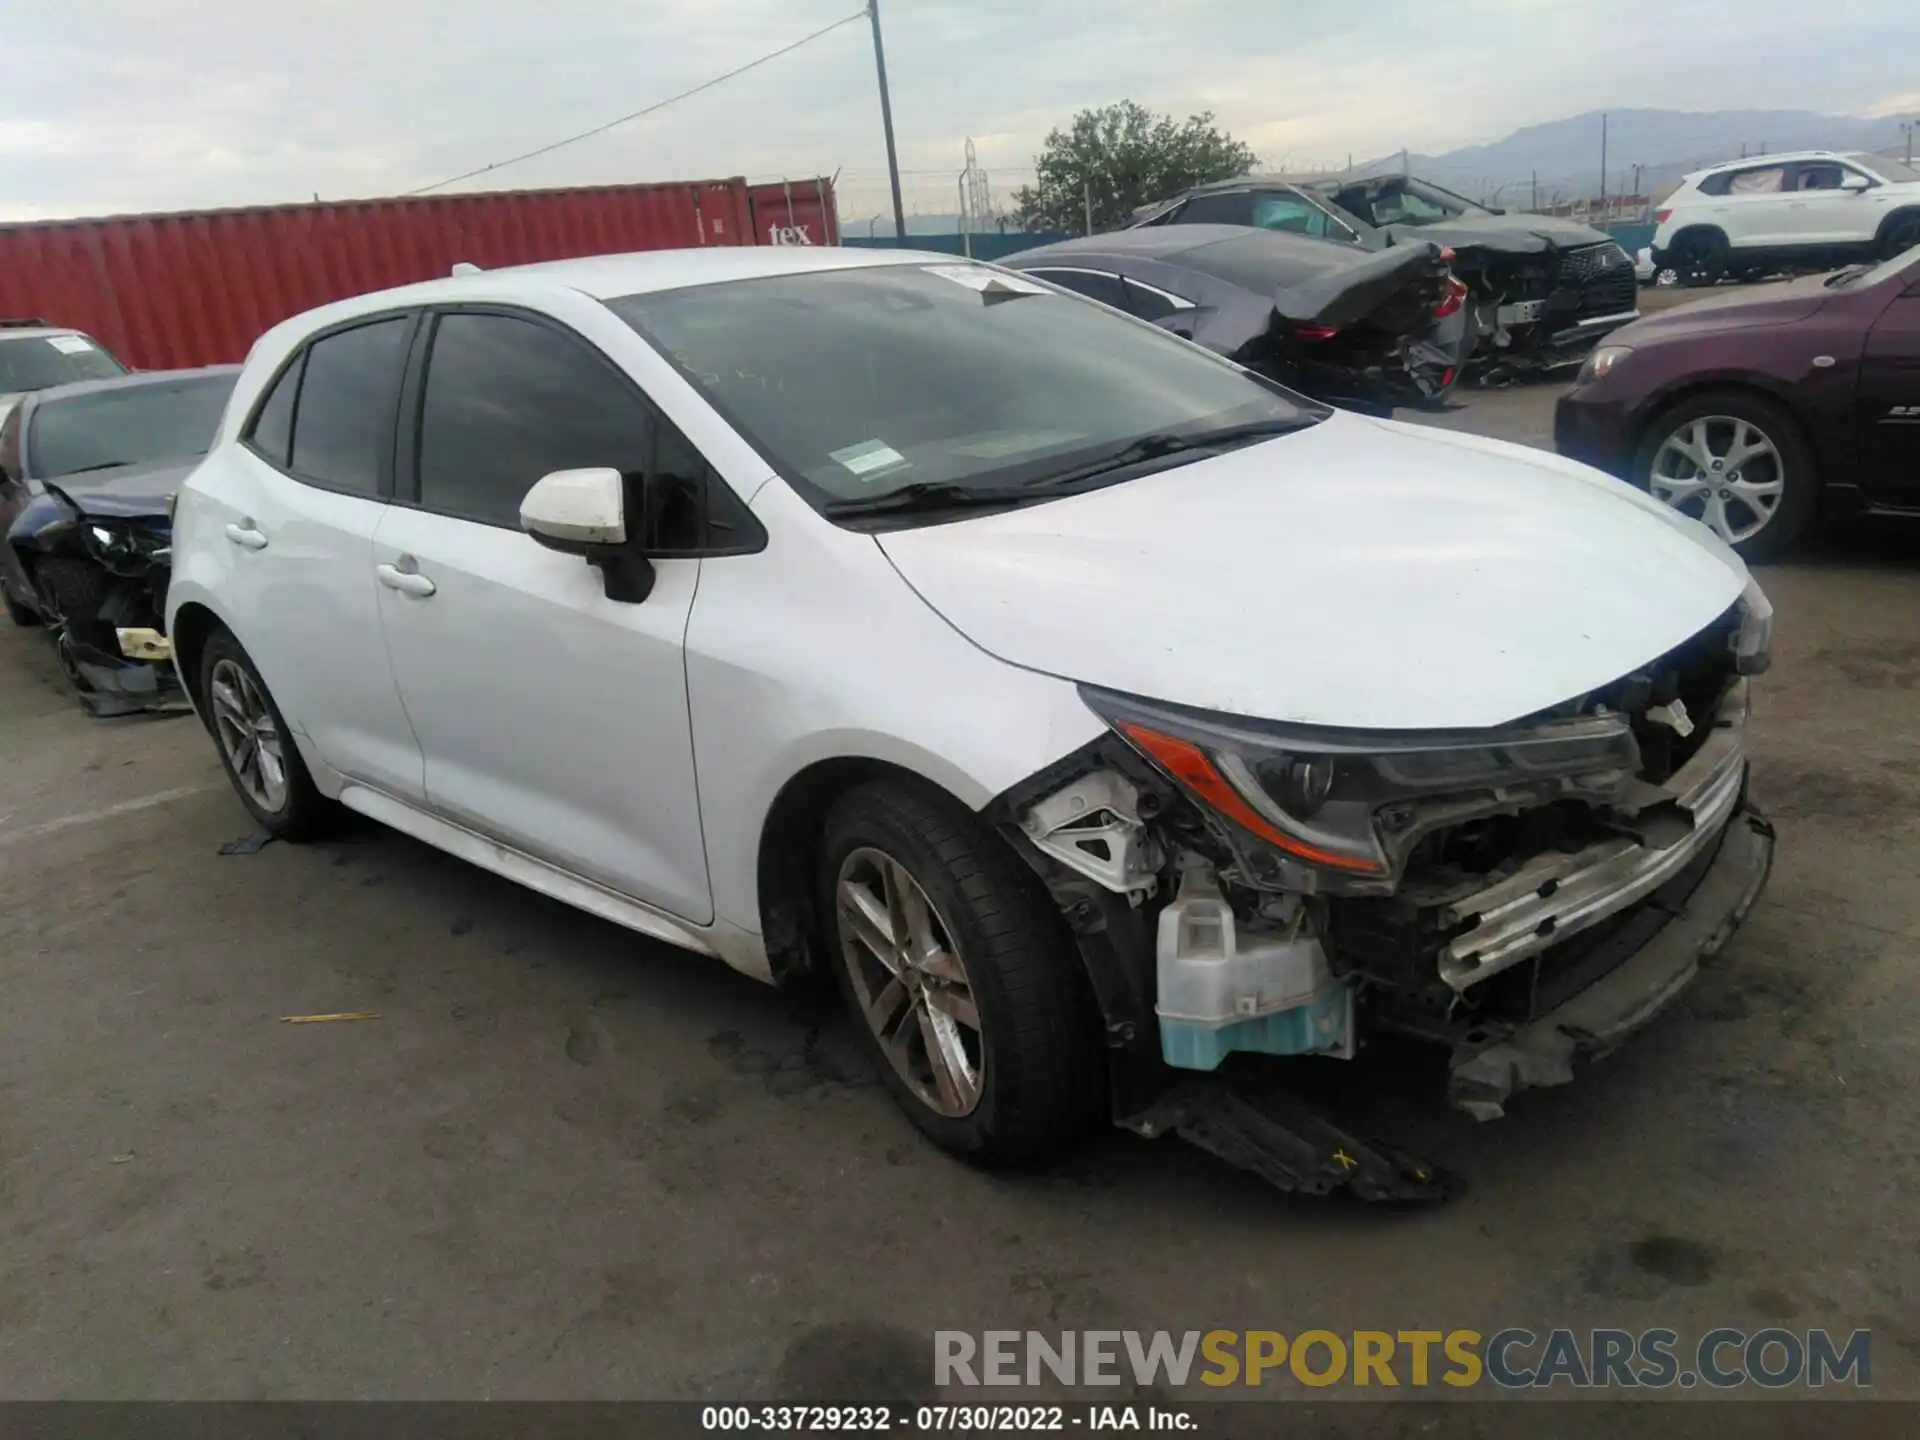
x=565, y=1162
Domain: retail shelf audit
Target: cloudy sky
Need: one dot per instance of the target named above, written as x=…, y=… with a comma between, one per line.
x=127, y=105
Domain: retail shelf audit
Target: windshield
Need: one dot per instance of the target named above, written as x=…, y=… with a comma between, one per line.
x=36, y=362
x=858, y=383
x=130, y=425
x=1889, y=169
x=1414, y=202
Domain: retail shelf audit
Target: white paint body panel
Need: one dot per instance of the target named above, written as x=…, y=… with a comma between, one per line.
x=625, y=758
x=1362, y=574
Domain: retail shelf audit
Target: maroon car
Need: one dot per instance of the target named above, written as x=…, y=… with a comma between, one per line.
x=1759, y=409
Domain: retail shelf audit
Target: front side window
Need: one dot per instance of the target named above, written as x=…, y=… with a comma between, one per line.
x=132, y=425
x=1235, y=207
x=39, y=362
x=939, y=374
x=509, y=400
x=343, y=420
x=1093, y=284
x=1819, y=175
x=1289, y=213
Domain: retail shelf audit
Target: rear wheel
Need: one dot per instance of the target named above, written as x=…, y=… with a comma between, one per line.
x=256, y=747
x=956, y=963
x=1736, y=462
x=1700, y=258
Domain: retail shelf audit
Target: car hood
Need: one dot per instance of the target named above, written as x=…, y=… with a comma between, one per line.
x=1740, y=309
x=1361, y=574
x=127, y=491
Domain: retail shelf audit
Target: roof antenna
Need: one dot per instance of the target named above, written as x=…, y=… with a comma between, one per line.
x=463, y=268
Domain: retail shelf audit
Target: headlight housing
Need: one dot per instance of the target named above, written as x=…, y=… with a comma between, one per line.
x=128, y=549
x=1337, y=811
x=1601, y=362
x=1752, y=639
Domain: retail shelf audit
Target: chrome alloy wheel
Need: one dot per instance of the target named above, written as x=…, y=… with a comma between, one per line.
x=1723, y=470
x=909, y=981
x=248, y=736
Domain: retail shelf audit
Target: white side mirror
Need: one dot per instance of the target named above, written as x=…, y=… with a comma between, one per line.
x=1855, y=182
x=574, y=509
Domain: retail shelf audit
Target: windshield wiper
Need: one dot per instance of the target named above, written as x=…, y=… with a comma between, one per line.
x=926, y=495
x=1159, y=445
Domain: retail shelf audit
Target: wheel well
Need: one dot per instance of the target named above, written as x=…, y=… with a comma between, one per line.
x=193, y=626
x=1694, y=231
x=1905, y=213
x=789, y=851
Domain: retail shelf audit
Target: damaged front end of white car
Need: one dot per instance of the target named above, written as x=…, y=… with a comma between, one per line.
x=1521, y=896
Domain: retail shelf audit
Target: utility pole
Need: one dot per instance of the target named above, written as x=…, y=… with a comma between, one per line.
x=886, y=121
x=1603, y=162
x=1086, y=190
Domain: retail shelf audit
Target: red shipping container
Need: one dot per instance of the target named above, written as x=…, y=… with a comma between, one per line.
x=162, y=291
x=794, y=212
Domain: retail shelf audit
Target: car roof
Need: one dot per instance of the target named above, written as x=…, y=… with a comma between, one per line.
x=37, y=332
x=133, y=381
x=1170, y=242
x=1785, y=157
x=606, y=277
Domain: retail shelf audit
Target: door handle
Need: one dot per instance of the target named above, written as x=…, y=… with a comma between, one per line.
x=246, y=537
x=407, y=582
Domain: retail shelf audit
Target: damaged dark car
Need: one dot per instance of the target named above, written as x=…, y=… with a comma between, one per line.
x=88, y=472
x=1364, y=331
x=1544, y=290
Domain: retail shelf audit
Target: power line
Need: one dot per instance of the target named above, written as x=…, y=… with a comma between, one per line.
x=648, y=110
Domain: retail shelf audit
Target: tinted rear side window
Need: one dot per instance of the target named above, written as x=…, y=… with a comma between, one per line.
x=508, y=401
x=343, y=426
x=272, y=432
x=1148, y=304
x=1101, y=287
x=1234, y=208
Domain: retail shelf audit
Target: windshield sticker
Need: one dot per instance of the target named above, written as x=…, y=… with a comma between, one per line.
x=978, y=277
x=70, y=344
x=870, y=457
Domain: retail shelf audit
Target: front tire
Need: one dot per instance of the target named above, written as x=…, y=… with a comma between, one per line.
x=958, y=968
x=1736, y=461
x=256, y=747
x=1901, y=235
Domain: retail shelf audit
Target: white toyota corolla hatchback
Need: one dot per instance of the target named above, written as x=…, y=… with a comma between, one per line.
x=1091, y=708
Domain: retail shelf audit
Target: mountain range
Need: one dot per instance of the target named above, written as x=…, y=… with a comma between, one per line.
x=1563, y=156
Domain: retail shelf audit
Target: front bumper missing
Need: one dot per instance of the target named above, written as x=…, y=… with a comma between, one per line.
x=1555, y=896
x=1596, y=1020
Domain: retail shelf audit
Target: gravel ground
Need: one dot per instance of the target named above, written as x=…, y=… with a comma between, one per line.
x=567, y=1162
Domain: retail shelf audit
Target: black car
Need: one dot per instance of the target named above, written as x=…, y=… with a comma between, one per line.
x=87, y=476
x=1544, y=290
x=1366, y=331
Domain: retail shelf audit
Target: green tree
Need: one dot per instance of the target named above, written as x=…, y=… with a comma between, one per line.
x=1124, y=156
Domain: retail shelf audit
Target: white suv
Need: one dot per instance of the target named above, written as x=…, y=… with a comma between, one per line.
x=1089, y=706
x=1811, y=208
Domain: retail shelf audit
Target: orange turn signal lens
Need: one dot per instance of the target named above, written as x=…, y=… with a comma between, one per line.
x=1190, y=765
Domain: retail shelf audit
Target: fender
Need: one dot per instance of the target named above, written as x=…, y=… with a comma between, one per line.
x=46, y=523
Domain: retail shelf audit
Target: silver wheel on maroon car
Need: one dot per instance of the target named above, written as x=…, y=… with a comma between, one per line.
x=1721, y=469
x=909, y=982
